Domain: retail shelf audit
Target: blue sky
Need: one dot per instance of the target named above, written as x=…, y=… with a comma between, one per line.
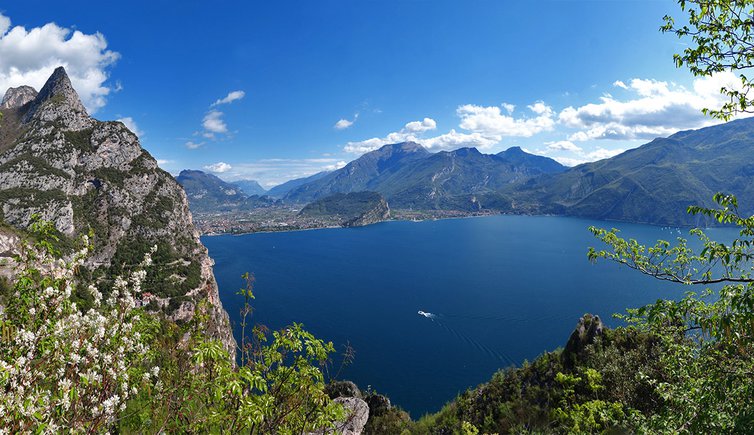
x=280, y=89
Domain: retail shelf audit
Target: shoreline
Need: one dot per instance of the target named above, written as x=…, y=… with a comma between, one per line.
x=328, y=227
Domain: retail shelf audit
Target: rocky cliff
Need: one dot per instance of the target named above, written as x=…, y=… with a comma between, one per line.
x=352, y=209
x=89, y=176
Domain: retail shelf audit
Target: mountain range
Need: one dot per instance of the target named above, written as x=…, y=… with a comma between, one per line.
x=280, y=190
x=208, y=193
x=411, y=177
x=654, y=183
x=250, y=187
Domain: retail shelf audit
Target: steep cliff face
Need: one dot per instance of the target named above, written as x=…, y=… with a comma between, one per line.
x=86, y=175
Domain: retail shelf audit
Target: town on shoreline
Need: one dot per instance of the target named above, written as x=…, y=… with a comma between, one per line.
x=287, y=218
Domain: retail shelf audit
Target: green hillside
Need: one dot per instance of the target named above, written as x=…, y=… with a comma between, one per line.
x=654, y=183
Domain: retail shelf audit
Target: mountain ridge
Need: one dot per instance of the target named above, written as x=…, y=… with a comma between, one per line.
x=209, y=193
x=409, y=176
x=250, y=187
x=653, y=183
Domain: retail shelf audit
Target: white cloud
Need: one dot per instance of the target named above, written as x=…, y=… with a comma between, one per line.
x=219, y=167
x=620, y=84
x=29, y=56
x=336, y=165
x=213, y=122
x=563, y=145
x=486, y=127
x=657, y=109
x=426, y=124
x=583, y=157
x=453, y=140
x=407, y=133
x=231, y=97
x=490, y=121
x=131, y=125
x=342, y=124
x=4, y=24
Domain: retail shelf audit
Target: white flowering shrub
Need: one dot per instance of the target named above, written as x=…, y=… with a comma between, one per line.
x=61, y=369
x=112, y=367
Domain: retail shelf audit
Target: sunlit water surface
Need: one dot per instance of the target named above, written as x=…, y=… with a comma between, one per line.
x=433, y=308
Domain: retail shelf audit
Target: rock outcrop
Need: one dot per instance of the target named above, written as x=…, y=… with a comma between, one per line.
x=378, y=212
x=357, y=415
x=85, y=176
x=353, y=209
x=17, y=97
x=587, y=331
x=337, y=389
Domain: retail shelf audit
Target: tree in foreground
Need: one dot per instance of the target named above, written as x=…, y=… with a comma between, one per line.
x=721, y=34
x=707, y=381
x=279, y=388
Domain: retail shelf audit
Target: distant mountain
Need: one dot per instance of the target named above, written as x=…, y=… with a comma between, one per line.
x=352, y=209
x=409, y=176
x=534, y=163
x=280, y=190
x=654, y=183
x=208, y=193
x=250, y=187
x=364, y=173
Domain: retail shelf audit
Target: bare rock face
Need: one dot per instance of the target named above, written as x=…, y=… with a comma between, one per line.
x=337, y=389
x=357, y=415
x=86, y=175
x=17, y=97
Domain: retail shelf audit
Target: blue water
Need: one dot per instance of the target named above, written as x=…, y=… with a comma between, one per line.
x=500, y=290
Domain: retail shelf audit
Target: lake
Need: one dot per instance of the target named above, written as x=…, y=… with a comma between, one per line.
x=495, y=291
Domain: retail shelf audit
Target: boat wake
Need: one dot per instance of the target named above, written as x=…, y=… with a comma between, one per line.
x=503, y=358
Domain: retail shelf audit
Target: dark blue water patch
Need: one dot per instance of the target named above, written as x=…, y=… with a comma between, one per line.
x=500, y=290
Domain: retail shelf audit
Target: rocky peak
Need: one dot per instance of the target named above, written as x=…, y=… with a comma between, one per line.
x=93, y=177
x=406, y=147
x=17, y=97
x=58, y=101
x=464, y=152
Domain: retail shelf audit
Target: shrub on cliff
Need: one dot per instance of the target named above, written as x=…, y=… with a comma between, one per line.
x=113, y=367
x=61, y=369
